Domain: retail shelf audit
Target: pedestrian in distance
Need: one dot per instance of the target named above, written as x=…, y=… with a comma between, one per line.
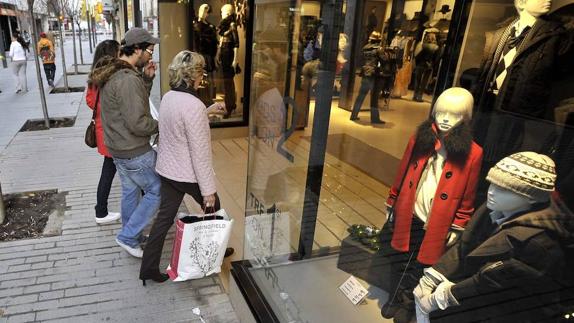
x=184, y=161
x=18, y=55
x=124, y=86
x=105, y=53
x=48, y=56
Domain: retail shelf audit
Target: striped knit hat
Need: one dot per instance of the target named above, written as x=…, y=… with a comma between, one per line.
x=527, y=173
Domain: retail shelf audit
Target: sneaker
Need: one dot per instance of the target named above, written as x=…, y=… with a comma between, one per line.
x=111, y=217
x=136, y=252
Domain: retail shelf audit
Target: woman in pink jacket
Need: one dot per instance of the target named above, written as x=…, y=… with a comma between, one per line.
x=184, y=156
x=106, y=48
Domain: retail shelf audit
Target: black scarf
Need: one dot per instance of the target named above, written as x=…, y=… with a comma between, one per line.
x=225, y=24
x=457, y=141
x=183, y=87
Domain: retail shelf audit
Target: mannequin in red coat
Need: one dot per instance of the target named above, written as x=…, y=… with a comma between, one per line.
x=432, y=197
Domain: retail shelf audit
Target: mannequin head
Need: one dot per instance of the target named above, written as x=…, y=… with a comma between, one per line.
x=227, y=10
x=204, y=11
x=532, y=8
x=506, y=201
x=453, y=106
x=520, y=180
x=375, y=37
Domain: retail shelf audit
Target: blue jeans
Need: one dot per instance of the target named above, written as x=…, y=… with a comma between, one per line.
x=137, y=174
x=368, y=83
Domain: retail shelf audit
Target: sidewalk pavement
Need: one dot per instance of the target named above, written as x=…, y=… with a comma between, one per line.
x=82, y=275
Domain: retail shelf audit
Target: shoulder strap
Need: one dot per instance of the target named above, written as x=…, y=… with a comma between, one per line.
x=94, y=113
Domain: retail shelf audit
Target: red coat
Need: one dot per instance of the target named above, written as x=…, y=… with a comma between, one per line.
x=453, y=203
x=91, y=95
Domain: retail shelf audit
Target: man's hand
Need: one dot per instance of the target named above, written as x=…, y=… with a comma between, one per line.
x=208, y=202
x=149, y=69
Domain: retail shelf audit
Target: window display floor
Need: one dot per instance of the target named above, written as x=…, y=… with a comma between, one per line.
x=308, y=291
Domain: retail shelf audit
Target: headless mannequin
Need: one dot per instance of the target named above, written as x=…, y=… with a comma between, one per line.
x=205, y=42
x=227, y=56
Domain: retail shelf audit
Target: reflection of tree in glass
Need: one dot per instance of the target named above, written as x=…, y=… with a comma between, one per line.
x=204, y=255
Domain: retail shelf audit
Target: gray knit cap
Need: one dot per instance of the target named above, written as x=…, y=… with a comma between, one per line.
x=527, y=173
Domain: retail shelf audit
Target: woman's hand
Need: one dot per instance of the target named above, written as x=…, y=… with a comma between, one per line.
x=216, y=108
x=209, y=201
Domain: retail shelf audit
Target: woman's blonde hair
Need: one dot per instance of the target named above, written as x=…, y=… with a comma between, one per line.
x=185, y=68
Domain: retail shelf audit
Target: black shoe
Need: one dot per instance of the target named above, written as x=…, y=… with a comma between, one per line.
x=355, y=118
x=389, y=310
x=228, y=252
x=158, y=278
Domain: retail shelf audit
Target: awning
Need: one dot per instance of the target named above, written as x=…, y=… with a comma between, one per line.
x=7, y=12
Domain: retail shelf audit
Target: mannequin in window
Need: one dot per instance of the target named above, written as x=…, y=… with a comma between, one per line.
x=432, y=197
x=516, y=79
x=511, y=256
x=426, y=54
x=205, y=43
x=227, y=55
x=371, y=80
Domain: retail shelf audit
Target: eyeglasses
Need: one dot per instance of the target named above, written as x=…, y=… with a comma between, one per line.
x=149, y=51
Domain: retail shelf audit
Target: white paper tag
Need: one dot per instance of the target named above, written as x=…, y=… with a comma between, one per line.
x=354, y=291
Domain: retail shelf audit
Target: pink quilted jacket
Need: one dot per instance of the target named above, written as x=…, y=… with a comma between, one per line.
x=184, y=150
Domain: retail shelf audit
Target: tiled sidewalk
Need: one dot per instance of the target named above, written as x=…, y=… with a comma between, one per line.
x=82, y=275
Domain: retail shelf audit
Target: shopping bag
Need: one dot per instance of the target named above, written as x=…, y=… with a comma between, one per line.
x=199, y=245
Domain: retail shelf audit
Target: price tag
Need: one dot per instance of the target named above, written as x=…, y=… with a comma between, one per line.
x=354, y=291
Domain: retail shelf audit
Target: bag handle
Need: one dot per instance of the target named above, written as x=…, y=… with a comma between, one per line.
x=207, y=208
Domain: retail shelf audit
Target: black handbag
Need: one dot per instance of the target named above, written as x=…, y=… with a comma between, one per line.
x=90, y=136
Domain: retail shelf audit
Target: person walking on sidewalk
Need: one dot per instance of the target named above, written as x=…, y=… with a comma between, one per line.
x=18, y=55
x=124, y=86
x=184, y=156
x=108, y=50
x=48, y=55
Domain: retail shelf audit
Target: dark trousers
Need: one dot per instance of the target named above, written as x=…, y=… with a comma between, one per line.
x=172, y=193
x=422, y=77
x=230, y=97
x=104, y=186
x=50, y=70
x=405, y=269
x=373, y=84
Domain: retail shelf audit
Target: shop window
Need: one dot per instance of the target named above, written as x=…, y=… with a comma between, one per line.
x=218, y=31
x=364, y=111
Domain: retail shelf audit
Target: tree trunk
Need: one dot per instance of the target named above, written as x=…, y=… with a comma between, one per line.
x=89, y=28
x=2, y=207
x=80, y=42
x=64, y=70
x=36, y=60
x=74, y=41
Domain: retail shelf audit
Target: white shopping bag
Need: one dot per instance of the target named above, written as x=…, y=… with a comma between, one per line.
x=199, y=245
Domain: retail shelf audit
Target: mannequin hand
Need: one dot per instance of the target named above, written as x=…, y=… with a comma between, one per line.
x=453, y=237
x=234, y=64
x=216, y=108
x=428, y=282
x=442, y=298
x=209, y=201
x=390, y=215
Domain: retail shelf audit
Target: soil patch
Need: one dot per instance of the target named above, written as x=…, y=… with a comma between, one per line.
x=27, y=213
x=57, y=90
x=38, y=124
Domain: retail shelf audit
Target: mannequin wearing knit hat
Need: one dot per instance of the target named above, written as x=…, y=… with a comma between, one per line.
x=512, y=243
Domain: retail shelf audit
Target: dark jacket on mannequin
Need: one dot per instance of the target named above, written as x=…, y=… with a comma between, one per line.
x=205, y=42
x=454, y=198
x=373, y=54
x=513, y=272
x=540, y=59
